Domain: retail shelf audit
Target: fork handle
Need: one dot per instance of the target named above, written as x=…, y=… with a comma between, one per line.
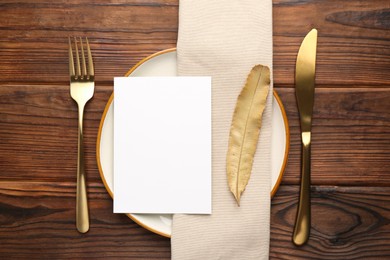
x=82, y=218
x=303, y=219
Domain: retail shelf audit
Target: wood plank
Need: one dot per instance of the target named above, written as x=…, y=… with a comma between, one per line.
x=351, y=135
x=38, y=221
x=34, y=38
x=353, y=40
x=38, y=133
x=347, y=223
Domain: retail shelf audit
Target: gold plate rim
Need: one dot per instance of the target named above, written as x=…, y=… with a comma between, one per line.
x=274, y=189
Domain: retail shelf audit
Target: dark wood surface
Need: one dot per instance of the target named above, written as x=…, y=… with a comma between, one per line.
x=38, y=126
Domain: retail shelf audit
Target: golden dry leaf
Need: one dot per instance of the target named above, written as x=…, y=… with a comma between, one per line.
x=245, y=129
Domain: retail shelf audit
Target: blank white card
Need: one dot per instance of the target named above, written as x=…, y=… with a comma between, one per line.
x=162, y=145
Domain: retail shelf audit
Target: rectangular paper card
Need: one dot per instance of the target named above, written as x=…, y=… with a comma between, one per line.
x=162, y=145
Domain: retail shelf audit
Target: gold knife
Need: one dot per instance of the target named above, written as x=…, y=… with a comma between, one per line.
x=304, y=90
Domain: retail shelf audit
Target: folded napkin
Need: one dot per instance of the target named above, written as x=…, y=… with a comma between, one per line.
x=225, y=39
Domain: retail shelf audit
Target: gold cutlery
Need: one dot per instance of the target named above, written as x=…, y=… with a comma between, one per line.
x=304, y=90
x=82, y=87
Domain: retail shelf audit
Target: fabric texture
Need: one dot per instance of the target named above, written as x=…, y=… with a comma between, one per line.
x=225, y=39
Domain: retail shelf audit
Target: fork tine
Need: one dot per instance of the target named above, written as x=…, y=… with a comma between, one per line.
x=71, y=61
x=91, y=71
x=84, y=66
x=77, y=58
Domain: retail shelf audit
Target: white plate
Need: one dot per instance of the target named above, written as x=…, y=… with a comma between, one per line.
x=164, y=64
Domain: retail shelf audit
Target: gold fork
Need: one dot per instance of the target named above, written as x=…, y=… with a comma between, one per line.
x=82, y=86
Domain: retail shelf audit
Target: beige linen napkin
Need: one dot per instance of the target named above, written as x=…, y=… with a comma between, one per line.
x=225, y=39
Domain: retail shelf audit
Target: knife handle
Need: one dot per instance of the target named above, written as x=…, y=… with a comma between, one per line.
x=302, y=221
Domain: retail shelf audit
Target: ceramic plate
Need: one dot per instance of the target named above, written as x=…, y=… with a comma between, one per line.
x=164, y=64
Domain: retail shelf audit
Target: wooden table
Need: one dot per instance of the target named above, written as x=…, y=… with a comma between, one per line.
x=38, y=126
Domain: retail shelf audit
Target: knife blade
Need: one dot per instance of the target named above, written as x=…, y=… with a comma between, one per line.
x=304, y=90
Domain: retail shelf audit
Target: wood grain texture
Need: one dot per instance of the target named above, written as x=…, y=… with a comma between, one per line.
x=38, y=32
x=350, y=136
x=353, y=41
x=42, y=225
x=38, y=126
x=120, y=33
x=348, y=222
